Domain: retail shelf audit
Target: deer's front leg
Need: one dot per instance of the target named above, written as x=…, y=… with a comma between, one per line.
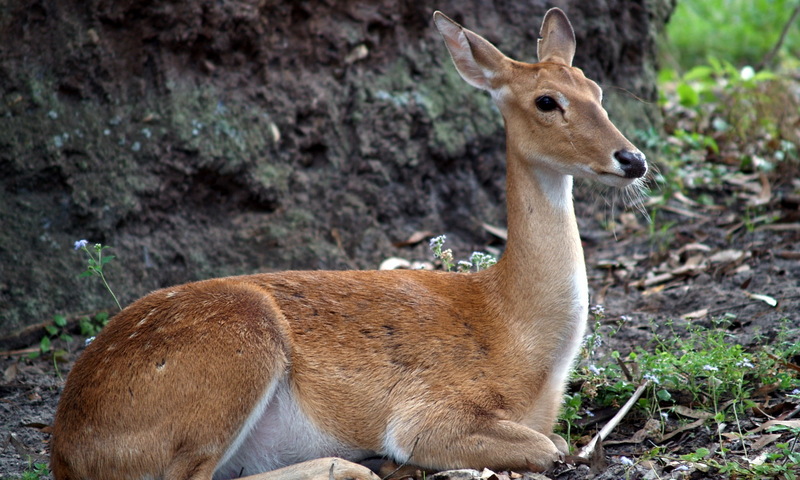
x=497, y=444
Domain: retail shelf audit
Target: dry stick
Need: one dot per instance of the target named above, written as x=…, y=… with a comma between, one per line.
x=587, y=451
x=768, y=58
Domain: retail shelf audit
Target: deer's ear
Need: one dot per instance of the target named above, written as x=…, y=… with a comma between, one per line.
x=557, y=38
x=476, y=60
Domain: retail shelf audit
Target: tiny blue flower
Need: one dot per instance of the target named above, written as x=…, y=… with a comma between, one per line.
x=626, y=461
x=88, y=341
x=80, y=244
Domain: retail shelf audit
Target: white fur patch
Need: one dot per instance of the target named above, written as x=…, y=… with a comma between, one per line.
x=390, y=446
x=572, y=343
x=277, y=434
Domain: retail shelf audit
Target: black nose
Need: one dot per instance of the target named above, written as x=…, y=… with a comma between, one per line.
x=632, y=163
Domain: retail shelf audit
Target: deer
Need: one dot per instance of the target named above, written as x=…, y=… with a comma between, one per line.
x=301, y=374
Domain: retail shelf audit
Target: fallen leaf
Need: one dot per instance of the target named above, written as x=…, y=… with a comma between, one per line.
x=726, y=256
x=677, y=431
x=11, y=372
x=764, y=298
x=496, y=231
x=764, y=440
x=414, y=239
x=691, y=413
x=694, y=247
x=696, y=314
x=393, y=263
x=772, y=423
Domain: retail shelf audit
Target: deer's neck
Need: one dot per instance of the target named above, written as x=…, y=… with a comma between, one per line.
x=541, y=279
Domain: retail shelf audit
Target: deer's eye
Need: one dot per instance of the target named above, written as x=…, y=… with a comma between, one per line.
x=546, y=103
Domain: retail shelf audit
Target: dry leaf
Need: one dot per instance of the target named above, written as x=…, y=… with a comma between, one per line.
x=414, y=239
x=726, y=256
x=764, y=298
x=677, y=431
x=691, y=413
x=496, y=231
x=772, y=423
x=393, y=263
x=696, y=314
x=764, y=440
x=11, y=372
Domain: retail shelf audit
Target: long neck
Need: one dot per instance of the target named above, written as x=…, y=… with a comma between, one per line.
x=540, y=281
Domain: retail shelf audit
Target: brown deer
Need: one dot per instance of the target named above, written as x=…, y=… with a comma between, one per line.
x=244, y=375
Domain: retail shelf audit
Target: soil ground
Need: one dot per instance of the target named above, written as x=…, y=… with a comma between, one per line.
x=736, y=261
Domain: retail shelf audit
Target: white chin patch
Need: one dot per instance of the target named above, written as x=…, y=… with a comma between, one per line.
x=614, y=180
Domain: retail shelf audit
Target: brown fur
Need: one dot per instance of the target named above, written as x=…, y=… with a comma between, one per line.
x=451, y=370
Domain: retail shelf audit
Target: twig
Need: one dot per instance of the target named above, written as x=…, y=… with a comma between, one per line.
x=586, y=451
x=771, y=55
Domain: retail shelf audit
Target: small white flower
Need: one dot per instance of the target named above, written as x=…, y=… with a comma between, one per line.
x=589, y=413
x=88, y=341
x=745, y=363
x=664, y=415
x=796, y=391
x=80, y=244
x=598, y=310
x=710, y=368
x=595, y=370
x=681, y=468
x=626, y=461
x=652, y=378
x=438, y=241
x=747, y=73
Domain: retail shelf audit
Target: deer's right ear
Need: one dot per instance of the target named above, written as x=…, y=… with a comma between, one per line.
x=476, y=60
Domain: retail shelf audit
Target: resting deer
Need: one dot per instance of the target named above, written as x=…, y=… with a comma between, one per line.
x=243, y=375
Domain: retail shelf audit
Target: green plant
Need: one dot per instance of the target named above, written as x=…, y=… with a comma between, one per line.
x=478, y=260
x=741, y=30
x=35, y=471
x=96, y=263
x=91, y=326
x=570, y=412
x=56, y=330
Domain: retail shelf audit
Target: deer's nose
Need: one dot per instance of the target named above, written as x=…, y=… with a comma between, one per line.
x=631, y=162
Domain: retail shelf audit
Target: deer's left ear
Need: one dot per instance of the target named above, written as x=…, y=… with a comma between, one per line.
x=557, y=38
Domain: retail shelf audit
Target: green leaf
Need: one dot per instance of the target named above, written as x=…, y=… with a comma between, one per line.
x=663, y=395
x=697, y=455
x=44, y=344
x=107, y=259
x=87, y=273
x=764, y=75
x=60, y=320
x=51, y=329
x=687, y=95
x=702, y=73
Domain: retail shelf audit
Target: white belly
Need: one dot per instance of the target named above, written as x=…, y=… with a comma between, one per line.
x=282, y=435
